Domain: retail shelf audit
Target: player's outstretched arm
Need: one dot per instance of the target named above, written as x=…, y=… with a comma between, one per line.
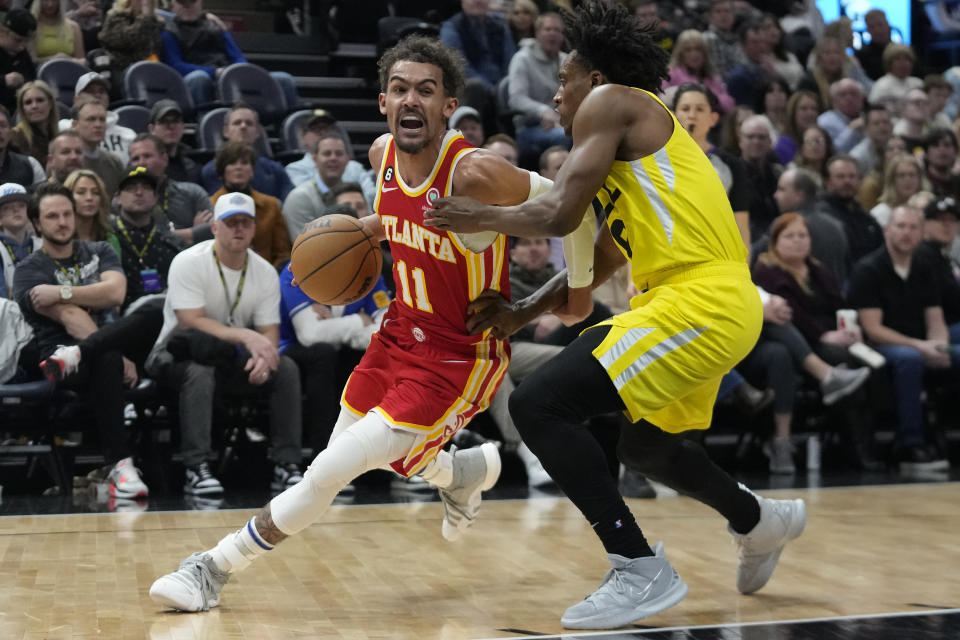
x=599, y=128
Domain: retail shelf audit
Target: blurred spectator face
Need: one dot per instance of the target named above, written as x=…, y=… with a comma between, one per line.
x=830, y=57
x=692, y=58
x=235, y=233
x=771, y=31
x=848, y=98
x=242, y=126
x=522, y=17
x=91, y=124
x=49, y=8
x=916, y=106
x=472, y=130
x=36, y=106
x=66, y=154
x=938, y=97
x=879, y=127
x=169, y=128
x=188, y=10
x=137, y=198
x=554, y=162
x=475, y=8
x=806, y=113
x=907, y=179
x=755, y=141
x=504, y=150
x=793, y=243
x=901, y=66
x=814, y=145
x=532, y=254
x=12, y=43
x=722, y=16
x=56, y=223
x=789, y=198
x=145, y=154
x=356, y=200
x=550, y=35
x=237, y=177
x=99, y=93
x=311, y=135
x=755, y=45
x=647, y=14
x=894, y=147
x=843, y=179
x=331, y=160
x=904, y=231
x=415, y=105
x=775, y=99
x=694, y=114
x=878, y=27
x=5, y=131
x=87, y=197
x=942, y=154
x=13, y=217
x=941, y=230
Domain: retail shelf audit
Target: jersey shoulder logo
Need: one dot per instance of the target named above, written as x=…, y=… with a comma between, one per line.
x=388, y=174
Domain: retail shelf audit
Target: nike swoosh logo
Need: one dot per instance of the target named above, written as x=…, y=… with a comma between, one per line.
x=386, y=189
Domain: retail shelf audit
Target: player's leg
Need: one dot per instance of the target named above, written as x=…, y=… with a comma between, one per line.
x=549, y=409
x=368, y=443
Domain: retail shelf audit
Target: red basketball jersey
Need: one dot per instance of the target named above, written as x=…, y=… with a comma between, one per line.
x=436, y=276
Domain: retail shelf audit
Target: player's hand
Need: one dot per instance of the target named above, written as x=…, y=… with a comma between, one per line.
x=456, y=213
x=578, y=306
x=490, y=310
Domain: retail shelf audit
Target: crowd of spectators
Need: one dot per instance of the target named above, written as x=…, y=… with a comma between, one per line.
x=133, y=259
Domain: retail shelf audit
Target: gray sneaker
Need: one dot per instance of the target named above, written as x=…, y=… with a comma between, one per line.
x=474, y=470
x=632, y=589
x=780, y=452
x=195, y=586
x=780, y=522
x=841, y=382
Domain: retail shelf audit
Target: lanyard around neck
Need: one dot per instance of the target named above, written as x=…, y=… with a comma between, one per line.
x=66, y=274
x=126, y=236
x=223, y=281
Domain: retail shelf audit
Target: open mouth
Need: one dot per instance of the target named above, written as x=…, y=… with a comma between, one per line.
x=411, y=123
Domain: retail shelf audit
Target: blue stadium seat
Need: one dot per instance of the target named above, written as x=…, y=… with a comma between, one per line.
x=148, y=82
x=253, y=85
x=210, y=133
x=62, y=75
x=133, y=116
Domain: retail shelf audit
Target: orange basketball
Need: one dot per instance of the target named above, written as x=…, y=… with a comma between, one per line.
x=337, y=261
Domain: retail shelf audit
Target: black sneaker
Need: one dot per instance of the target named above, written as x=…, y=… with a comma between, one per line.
x=200, y=482
x=920, y=458
x=285, y=475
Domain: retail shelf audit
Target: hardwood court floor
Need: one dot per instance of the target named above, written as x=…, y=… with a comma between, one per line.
x=385, y=572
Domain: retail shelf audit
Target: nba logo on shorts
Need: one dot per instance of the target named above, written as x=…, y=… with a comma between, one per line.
x=418, y=334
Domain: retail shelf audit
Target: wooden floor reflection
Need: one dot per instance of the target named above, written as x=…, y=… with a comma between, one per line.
x=384, y=571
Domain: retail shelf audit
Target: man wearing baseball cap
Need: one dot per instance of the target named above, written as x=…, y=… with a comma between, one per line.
x=17, y=27
x=166, y=122
x=230, y=298
x=305, y=169
x=15, y=233
x=117, y=139
x=146, y=247
x=939, y=232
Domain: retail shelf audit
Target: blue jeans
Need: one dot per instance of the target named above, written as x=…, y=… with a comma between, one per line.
x=907, y=368
x=536, y=140
x=202, y=87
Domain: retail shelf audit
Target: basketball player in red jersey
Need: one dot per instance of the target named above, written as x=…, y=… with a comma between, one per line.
x=424, y=376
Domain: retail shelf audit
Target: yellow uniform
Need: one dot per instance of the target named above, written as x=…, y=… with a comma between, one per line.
x=699, y=313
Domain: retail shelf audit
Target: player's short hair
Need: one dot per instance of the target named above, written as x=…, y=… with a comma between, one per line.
x=607, y=38
x=426, y=50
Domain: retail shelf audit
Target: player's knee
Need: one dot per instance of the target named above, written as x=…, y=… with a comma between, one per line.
x=524, y=406
x=338, y=464
x=645, y=448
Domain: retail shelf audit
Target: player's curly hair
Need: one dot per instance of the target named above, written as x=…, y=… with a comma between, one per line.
x=417, y=48
x=610, y=40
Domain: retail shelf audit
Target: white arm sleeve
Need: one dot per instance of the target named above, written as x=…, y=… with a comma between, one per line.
x=336, y=331
x=578, y=251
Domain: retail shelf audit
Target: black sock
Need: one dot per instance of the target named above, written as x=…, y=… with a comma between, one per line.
x=620, y=534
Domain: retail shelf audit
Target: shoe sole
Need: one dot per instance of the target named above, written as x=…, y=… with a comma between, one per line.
x=934, y=465
x=795, y=531
x=166, y=601
x=674, y=595
x=203, y=492
x=839, y=394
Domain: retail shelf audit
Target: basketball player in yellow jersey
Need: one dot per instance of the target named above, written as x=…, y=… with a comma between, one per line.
x=665, y=211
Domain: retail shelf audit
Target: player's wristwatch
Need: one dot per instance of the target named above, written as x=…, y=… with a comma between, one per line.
x=66, y=292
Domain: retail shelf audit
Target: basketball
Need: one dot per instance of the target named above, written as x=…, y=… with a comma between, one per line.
x=336, y=261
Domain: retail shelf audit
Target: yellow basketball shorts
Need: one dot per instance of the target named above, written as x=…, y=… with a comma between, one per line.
x=666, y=355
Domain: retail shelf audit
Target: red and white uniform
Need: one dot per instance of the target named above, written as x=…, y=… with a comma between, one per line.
x=422, y=371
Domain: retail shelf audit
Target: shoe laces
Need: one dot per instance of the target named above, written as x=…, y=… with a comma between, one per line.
x=203, y=472
x=201, y=573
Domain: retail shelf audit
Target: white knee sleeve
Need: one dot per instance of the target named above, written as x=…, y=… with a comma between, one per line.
x=367, y=444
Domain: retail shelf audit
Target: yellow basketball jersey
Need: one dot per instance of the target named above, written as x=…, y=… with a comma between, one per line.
x=669, y=209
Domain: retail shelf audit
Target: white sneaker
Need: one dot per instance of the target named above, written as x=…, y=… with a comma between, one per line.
x=61, y=363
x=780, y=522
x=125, y=481
x=476, y=470
x=199, y=481
x=537, y=476
x=632, y=589
x=195, y=586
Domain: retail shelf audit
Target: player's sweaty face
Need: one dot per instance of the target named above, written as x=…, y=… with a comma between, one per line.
x=574, y=86
x=416, y=105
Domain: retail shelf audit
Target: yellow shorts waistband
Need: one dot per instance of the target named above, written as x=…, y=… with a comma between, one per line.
x=684, y=273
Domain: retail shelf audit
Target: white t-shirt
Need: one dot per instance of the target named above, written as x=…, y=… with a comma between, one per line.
x=194, y=283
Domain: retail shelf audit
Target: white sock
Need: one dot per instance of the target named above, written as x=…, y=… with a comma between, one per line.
x=237, y=550
x=439, y=471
